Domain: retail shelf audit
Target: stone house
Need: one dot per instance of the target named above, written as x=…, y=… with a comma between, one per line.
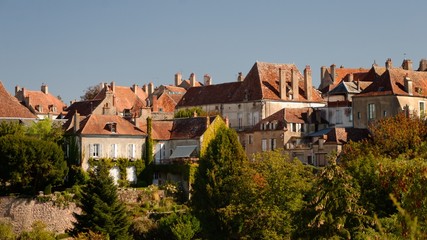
x=41, y=103
x=105, y=136
x=396, y=90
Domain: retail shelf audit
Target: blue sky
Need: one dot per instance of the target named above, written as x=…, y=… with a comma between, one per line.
x=71, y=45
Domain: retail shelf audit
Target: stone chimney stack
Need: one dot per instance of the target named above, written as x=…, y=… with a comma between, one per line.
x=333, y=73
x=17, y=89
x=135, y=88
x=178, y=79
x=282, y=84
x=350, y=77
x=358, y=85
x=388, y=63
x=408, y=85
x=113, y=86
x=145, y=88
x=150, y=88
x=407, y=64
x=295, y=87
x=322, y=72
x=192, y=80
x=207, y=80
x=44, y=89
x=155, y=104
x=76, y=126
x=308, y=82
x=240, y=77
x=423, y=65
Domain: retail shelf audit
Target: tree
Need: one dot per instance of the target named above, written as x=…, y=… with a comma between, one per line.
x=179, y=226
x=46, y=130
x=102, y=212
x=38, y=232
x=90, y=93
x=186, y=113
x=148, y=171
x=28, y=165
x=11, y=128
x=216, y=181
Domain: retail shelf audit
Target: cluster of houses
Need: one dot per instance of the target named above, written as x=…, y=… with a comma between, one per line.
x=275, y=106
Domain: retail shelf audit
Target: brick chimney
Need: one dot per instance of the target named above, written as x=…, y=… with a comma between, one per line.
x=135, y=88
x=350, y=77
x=294, y=80
x=308, y=82
x=150, y=88
x=76, y=125
x=407, y=64
x=178, y=79
x=408, y=85
x=423, y=65
x=333, y=72
x=45, y=89
x=240, y=77
x=17, y=89
x=282, y=84
x=113, y=86
x=192, y=80
x=145, y=88
x=207, y=80
x=388, y=63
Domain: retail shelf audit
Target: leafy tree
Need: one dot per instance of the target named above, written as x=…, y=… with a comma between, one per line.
x=398, y=134
x=179, y=226
x=334, y=210
x=102, y=212
x=11, y=128
x=189, y=112
x=216, y=181
x=6, y=231
x=46, y=130
x=149, y=158
x=29, y=164
x=90, y=93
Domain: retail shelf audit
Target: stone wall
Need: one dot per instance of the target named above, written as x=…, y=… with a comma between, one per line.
x=23, y=212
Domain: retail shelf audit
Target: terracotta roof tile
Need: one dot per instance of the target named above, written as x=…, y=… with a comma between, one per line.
x=344, y=135
x=212, y=94
x=180, y=128
x=161, y=130
x=124, y=97
x=99, y=125
x=10, y=106
x=84, y=108
x=46, y=101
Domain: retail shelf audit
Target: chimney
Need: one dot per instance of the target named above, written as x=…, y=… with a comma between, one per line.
x=333, y=73
x=282, y=84
x=145, y=88
x=388, y=63
x=150, y=88
x=178, y=79
x=135, y=88
x=192, y=80
x=113, y=86
x=408, y=85
x=308, y=82
x=294, y=80
x=322, y=72
x=407, y=64
x=358, y=85
x=240, y=77
x=155, y=105
x=44, y=89
x=350, y=77
x=76, y=121
x=17, y=89
x=207, y=80
x=423, y=65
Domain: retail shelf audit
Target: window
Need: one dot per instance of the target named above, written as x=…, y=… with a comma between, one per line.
x=303, y=127
x=264, y=145
x=250, y=139
x=385, y=113
x=273, y=143
x=358, y=115
x=371, y=111
x=160, y=151
x=255, y=118
x=273, y=125
x=113, y=151
x=338, y=115
x=422, y=109
x=240, y=119
x=95, y=150
x=131, y=151
x=296, y=127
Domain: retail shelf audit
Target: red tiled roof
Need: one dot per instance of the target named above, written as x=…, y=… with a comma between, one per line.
x=180, y=128
x=45, y=100
x=124, y=97
x=10, y=106
x=392, y=82
x=288, y=115
x=186, y=84
x=161, y=130
x=344, y=135
x=98, y=125
x=212, y=94
x=297, y=115
x=84, y=108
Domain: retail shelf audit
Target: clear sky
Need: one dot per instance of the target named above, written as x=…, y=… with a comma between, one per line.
x=71, y=45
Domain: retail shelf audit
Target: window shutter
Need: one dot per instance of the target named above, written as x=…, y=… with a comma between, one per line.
x=100, y=153
x=90, y=150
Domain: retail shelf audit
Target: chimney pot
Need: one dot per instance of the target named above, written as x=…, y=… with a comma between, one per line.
x=178, y=79
x=388, y=63
x=44, y=89
x=193, y=80
x=240, y=77
x=150, y=88
x=423, y=65
x=207, y=80
x=407, y=64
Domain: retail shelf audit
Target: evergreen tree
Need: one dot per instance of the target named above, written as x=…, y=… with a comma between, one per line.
x=148, y=170
x=102, y=212
x=216, y=182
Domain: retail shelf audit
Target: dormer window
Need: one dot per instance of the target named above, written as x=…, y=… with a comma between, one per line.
x=39, y=108
x=52, y=108
x=273, y=125
x=112, y=126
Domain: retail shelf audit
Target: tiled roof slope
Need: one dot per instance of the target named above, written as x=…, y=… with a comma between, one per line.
x=262, y=82
x=124, y=97
x=180, y=128
x=45, y=100
x=343, y=74
x=84, y=108
x=392, y=82
x=97, y=125
x=10, y=106
x=344, y=135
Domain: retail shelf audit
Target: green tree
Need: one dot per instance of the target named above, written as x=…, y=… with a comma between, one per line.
x=46, y=130
x=11, y=128
x=334, y=210
x=90, y=93
x=179, y=226
x=102, y=212
x=189, y=112
x=29, y=164
x=148, y=171
x=38, y=232
x=6, y=231
x=216, y=181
